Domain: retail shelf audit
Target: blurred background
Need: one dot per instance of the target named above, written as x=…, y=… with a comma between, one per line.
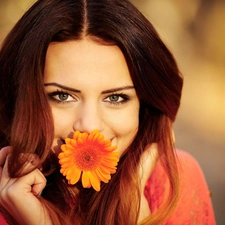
x=194, y=31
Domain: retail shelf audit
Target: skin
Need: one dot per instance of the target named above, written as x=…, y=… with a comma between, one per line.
x=103, y=98
x=19, y=196
x=89, y=87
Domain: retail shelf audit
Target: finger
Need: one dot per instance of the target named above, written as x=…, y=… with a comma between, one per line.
x=39, y=183
x=33, y=177
x=32, y=183
x=4, y=173
x=29, y=166
x=4, y=152
x=19, y=198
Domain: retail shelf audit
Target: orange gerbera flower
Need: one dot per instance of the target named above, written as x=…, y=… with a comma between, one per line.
x=90, y=157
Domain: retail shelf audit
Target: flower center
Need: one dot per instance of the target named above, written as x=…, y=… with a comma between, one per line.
x=88, y=158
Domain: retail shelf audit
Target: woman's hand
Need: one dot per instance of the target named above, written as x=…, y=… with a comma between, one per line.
x=147, y=163
x=19, y=196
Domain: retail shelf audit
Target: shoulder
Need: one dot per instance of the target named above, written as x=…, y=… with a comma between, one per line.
x=186, y=162
x=191, y=176
x=188, y=168
x=194, y=205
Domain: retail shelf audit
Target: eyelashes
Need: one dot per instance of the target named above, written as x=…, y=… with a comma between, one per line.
x=63, y=97
x=116, y=99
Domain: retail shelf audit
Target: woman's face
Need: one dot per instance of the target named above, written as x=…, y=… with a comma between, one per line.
x=89, y=87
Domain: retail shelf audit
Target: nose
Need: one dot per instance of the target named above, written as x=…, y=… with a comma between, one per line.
x=88, y=118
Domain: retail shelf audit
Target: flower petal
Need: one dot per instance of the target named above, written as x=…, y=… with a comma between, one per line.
x=86, y=179
x=95, y=181
x=102, y=176
x=90, y=157
x=76, y=176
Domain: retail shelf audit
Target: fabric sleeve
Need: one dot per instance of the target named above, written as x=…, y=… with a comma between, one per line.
x=194, y=206
x=2, y=220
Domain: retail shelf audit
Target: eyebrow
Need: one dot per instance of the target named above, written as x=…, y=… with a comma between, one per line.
x=61, y=86
x=76, y=90
x=117, y=89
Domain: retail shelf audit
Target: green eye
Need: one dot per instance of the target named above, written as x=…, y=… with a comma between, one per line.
x=63, y=96
x=114, y=98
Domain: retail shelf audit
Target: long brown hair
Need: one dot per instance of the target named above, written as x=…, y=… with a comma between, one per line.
x=26, y=121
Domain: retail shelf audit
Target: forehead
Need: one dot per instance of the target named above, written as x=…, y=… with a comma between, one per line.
x=86, y=60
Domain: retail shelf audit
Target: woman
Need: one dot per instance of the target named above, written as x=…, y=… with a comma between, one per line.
x=81, y=65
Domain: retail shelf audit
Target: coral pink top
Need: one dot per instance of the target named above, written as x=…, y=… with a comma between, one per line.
x=194, y=206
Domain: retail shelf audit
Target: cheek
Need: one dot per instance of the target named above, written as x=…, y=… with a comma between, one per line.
x=125, y=138
x=63, y=123
x=128, y=126
x=126, y=130
x=129, y=121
